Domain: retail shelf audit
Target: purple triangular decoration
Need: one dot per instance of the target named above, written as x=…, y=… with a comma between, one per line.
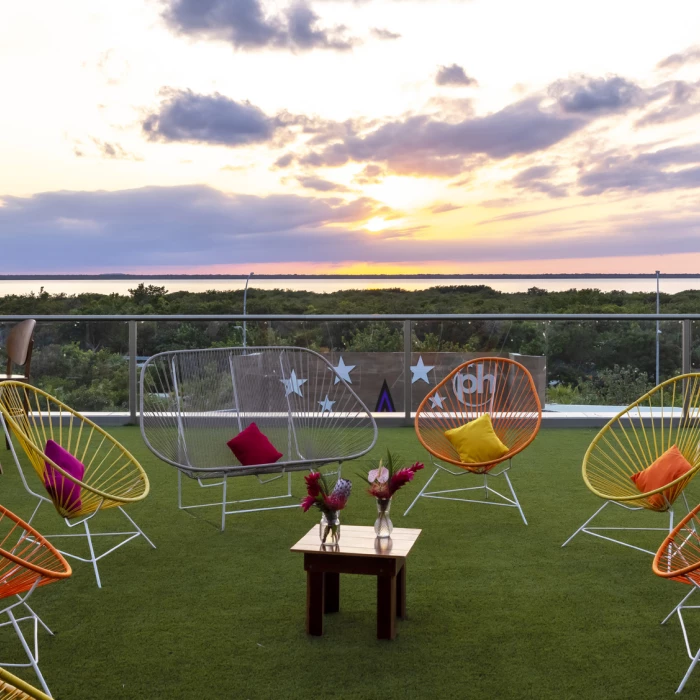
x=385, y=404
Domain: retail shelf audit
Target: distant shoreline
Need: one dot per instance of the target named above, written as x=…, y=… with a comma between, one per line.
x=561, y=276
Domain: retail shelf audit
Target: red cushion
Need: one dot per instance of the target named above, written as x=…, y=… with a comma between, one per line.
x=670, y=466
x=252, y=447
x=64, y=492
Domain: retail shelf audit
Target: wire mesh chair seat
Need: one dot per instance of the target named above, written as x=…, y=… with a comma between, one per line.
x=497, y=386
x=678, y=559
x=194, y=401
x=13, y=688
x=27, y=562
x=631, y=441
x=113, y=477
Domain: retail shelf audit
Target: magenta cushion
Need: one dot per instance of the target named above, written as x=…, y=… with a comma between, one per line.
x=64, y=492
x=252, y=447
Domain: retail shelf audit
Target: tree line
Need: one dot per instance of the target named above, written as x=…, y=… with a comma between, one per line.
x=607, y=362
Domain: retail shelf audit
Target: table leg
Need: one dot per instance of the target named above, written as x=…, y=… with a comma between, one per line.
x=386, y=607
x=314, y=602
x=332, y=592
x=401, y=592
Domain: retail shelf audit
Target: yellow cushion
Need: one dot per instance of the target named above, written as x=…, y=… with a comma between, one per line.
x=476, y=441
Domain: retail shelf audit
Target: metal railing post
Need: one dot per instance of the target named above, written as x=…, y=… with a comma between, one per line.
x=407, y=347
x=687, y=345
x=686, y=364
x=133, y=387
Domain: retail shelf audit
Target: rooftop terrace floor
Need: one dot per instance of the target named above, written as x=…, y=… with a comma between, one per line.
x=496, y=609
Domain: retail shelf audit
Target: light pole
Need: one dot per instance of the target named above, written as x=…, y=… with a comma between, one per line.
x=658, y=327
x=245, y=299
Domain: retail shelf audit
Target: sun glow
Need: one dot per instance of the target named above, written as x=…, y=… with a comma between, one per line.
x=376, y=224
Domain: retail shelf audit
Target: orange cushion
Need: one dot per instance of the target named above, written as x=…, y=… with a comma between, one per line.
x=667, y=468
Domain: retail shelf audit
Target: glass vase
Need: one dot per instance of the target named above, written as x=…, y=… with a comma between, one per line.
x=329, y=529
x=383, y=525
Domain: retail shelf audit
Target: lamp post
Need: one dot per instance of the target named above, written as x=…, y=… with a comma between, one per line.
x=245, y=299
x=658, y=327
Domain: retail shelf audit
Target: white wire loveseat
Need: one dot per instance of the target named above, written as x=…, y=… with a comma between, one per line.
x=194, y=401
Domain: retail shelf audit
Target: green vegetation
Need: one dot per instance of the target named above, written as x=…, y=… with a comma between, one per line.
x=84, y=363
x=496, y=609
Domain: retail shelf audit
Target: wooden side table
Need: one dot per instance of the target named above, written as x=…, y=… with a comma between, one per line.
x=359, y=552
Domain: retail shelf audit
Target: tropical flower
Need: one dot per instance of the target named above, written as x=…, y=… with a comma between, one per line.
x=322, y=497
x=387, y=478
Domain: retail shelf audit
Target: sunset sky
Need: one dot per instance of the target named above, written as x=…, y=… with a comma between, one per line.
x=443, y=136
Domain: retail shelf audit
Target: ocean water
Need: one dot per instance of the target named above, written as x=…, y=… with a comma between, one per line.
x=668, y=285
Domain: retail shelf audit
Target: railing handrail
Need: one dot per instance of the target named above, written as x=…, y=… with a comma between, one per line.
x=353, y=317
x=407, y=319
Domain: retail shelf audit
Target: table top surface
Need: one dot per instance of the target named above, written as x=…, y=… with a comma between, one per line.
x=360, y=541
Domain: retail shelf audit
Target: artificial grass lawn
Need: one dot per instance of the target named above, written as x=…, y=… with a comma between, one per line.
x=496, y=609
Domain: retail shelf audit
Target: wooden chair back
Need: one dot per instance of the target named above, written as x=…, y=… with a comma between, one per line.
x=19, y=345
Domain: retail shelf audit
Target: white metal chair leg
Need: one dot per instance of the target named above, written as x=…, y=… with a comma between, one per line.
x=41, y=622
x=142, y=533
x=515, y=498
x=696, y=658
x=420, y=493
x=223, y=507
x=592, y=530
x=92, y=555
x=32, y=656
x=680, y=605
x=605, y=505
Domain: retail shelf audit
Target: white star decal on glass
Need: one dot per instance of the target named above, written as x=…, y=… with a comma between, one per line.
x=436, y=401
x=326, y=405
x=342, y=371
x=420, y=371
x=293, y=384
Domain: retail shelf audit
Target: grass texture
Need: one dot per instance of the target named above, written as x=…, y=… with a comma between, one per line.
x=496, y=609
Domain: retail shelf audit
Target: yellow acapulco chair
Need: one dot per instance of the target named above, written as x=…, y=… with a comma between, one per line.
x=13, y=688
x=665, y=416
x=113, y=477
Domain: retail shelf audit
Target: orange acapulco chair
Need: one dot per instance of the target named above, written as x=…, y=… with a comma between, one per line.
x=113, y=477
x=633, y=440
x=497, y=386
x=27, y=561
x=13, y=688
x=678, y=559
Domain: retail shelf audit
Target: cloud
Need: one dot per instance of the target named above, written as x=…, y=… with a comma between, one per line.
x=453, y=75
x=114, y=151
x=384, y=34
x=245, y=24
x=193, y=226
x=215, y=119
x=536, y=179
x=678, y=60
x=683, y=102
x=442, y=208
x=520, y=214
x=312, y=182
x=186, y=225
x=656, y=171
x=597, y=96
x=371, y=174
x=102, y=149
x=426, y=145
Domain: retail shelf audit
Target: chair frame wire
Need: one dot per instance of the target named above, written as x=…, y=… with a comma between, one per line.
x=16, y=394
x=165, y=377
x=517, y=415
x=630, y=442
x=678, y=559
x=23, y=568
